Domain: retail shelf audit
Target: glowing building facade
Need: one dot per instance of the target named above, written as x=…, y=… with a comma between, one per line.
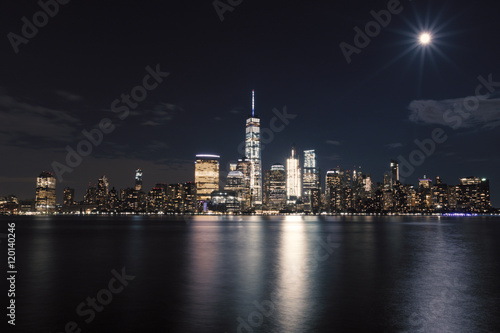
x=206, y=176
x=310, y=176
x=277, y=186
x=45, y=199
x=138, y=179
x=253, y=154
x=394, y=172
x=293, y=178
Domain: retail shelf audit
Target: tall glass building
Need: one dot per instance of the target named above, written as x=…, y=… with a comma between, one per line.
x=334, y=190
x=277, y=186
x=206, y=175
x=244, y=166
x=394, y=172
x=253, y=154
x=102, y=192
x=138, y=179
x=69, y=196
x=310, y=176
x=45, y=198
x=293, y=179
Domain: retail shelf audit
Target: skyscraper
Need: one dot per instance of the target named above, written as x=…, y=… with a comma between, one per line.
x=293, y=179
x=474, y=195
x=244, y=166
x=236, y=183
x=138, y=179
x=206, y=175
x=277, y=186
x=310, y=176
x=102, y=192
x=69, y=196
x=45, y=199
x=253, y=154
x=334, y=190
x=394, y=172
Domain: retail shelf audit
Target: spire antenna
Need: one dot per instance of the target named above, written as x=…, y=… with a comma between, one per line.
x=253, y=103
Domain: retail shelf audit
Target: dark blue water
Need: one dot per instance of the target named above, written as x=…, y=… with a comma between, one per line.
x=255, y=274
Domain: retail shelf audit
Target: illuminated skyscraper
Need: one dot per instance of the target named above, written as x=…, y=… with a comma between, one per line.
x=45, y=199
x=206, y=175
x=394, y=172
x=253, y=154
x=90, y=196
x=69, y=196
x=473, y=195
x=244, y=166
x=424, y=187
x=293, y=179
x=277, y=186
x=102, y=192
x=236, y=183
x=310, y=175
x=138, y=179
x=334, y=190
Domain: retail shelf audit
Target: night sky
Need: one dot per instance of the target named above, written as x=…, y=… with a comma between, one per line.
x=363, y=113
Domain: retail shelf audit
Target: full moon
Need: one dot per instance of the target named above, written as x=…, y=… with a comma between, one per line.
x=425, y=38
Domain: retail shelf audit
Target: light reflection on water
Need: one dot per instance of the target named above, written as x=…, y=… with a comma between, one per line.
x=203, y=274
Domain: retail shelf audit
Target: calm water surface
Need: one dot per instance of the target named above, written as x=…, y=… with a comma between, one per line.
x=257, y=274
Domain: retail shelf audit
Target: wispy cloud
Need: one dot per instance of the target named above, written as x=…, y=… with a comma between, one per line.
x=394, y=145
x=161, y=114
x=452, y=112
x=21, y=121
x=333, y=142
x=156, y=145
x=68, y=96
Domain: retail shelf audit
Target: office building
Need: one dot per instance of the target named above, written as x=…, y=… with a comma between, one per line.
x=45, y=197
x=293, y=178
x=334, y=193
x=253, y=154
x=394, y=172
x=310, y=177
x=206, y=176
x=68, y=196
x=277, y=186
x=138, y=179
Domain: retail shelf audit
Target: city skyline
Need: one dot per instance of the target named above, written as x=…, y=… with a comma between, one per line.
x=393, y=91
x=299, y=180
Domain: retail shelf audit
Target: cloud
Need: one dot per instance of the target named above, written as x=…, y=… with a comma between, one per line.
x=218, y=118
x=394, y=145
x=455, y=113
x=156, y=145
x=69, y=96
x=161, y=114
x=150, y=123
x=21, y=121
x=333, y=142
